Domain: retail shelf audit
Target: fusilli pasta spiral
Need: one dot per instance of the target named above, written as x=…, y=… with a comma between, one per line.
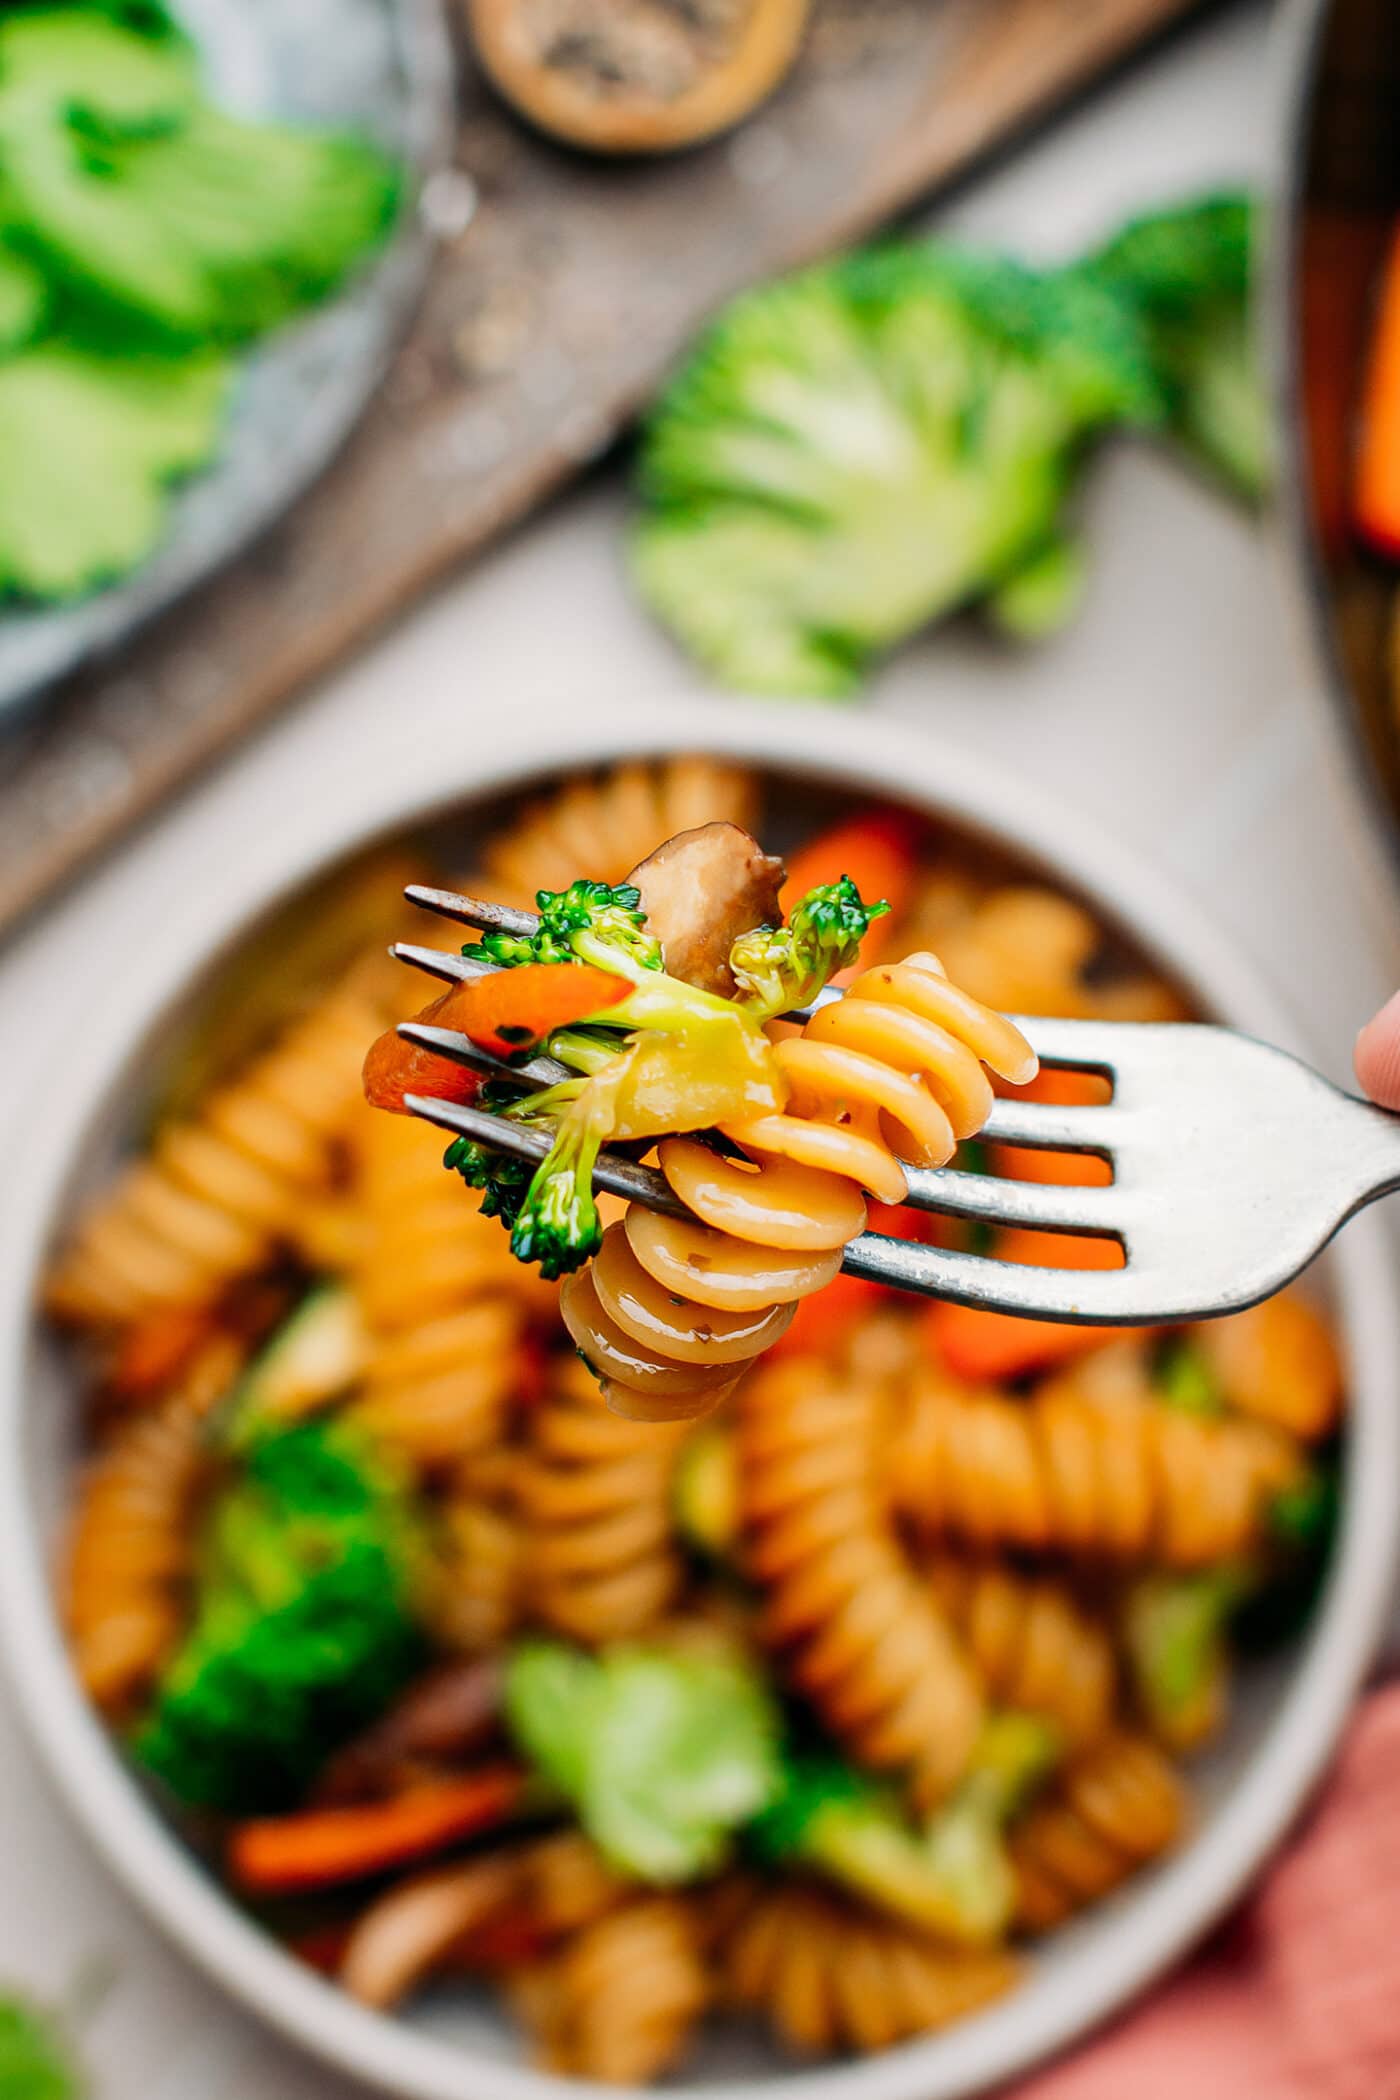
x=1278, y=1363
x=476, y=1593
x=595, y=1497
x=440, y=1299
x=131, y=1541
x=863, y=1637
x=1032, y=1645
x=220, y=1189
x=1111, y=1811
x=620, y=2001
x=892, y=1074
x=1088, y=1464
x=829, y=1975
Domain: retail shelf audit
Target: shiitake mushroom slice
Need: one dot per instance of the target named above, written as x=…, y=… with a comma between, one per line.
x=636, y=76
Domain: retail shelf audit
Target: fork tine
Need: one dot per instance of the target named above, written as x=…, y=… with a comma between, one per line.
x=480, y=912
x=1076, y=1046
x=443, y=962
x=446, y=1042
x=1092, y=1297
x=1095, y=1211
x=1044, y=1126
x=614, y=1172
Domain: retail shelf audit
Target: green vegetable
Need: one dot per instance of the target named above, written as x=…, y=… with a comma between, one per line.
x=24, y=300
x=1043, y=596
x=592, y=922
x=854, y=451
x=317, y=1353
x=554, y=1219
x=69, y=69
x=215, y=230
x=1175, y=1641
x=705, y=1493
x=36, y=2060
x=303, y=1628
x=663, y=1754
x=1183, y=1379
x=953, y=1876
x=88, y=446
x=144, y=231
x=1186, y=273
x=777, y=967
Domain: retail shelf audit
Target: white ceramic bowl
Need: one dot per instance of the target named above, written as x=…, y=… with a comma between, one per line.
x=1289, y=1712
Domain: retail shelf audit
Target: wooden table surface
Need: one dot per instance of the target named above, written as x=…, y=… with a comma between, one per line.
x=562, y=290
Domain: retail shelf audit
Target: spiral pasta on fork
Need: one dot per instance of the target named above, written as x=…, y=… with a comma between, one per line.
x=893, y=1075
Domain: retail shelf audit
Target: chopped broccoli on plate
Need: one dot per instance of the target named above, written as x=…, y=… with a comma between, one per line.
x=24, y=300
x=36, y=2059
x=856, y=450
x=664, y=1754
x=303, y=1628
x=88, y=448
x=1186, y=271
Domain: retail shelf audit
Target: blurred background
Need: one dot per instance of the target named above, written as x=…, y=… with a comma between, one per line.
x=365, y=474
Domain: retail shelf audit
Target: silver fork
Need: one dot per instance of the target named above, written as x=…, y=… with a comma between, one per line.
x=1233, y=1162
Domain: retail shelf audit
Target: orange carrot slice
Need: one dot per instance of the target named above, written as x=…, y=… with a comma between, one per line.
x=320, y=1847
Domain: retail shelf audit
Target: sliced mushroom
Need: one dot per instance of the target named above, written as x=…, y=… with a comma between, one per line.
x=451, y=1711
x=403, y=1936
x=636, y=76
x=700, y=891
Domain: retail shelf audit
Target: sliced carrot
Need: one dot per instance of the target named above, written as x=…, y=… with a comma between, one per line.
x=1376, y=500
x=987, y=1347
x=513, y=1010
x=506, y=1013
x=320, y=1847
x=157, y=1349
x=879, y=849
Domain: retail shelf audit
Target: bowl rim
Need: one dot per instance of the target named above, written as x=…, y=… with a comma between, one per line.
x=1111, y=1957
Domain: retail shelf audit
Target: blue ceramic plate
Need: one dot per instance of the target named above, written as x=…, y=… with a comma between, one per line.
x=378, y=66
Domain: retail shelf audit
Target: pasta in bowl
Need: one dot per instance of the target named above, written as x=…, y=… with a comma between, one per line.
x=957, y=1598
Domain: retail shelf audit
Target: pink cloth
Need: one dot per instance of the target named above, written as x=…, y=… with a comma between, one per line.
x=1298, y=1996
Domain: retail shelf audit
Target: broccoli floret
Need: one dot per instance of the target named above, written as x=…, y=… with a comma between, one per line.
x=557, y=1222
x=622, y=1093
x=663, y=1753
x=303, y=1624
x=1186, y=272
x=36, y=2057
x=24, y=300
x=1043, y=595
x=782, y=966
x=952, y=1877
x=580, y=924
x=91, y=445
x=862, y=448
x=1175, y=1630
x=1183, y=1379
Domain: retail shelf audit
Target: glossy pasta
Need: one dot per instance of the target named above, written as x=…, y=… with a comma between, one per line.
x=671, y=1311
x=620, y=2001
x=1090, y=1463
x=856, y=1629
x=601, y=1561
x=1032, y=1644
x=220, y=1189
x=829, y=1975
x=1115, y=1808
x=440, y=1298
x=131, y=1542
